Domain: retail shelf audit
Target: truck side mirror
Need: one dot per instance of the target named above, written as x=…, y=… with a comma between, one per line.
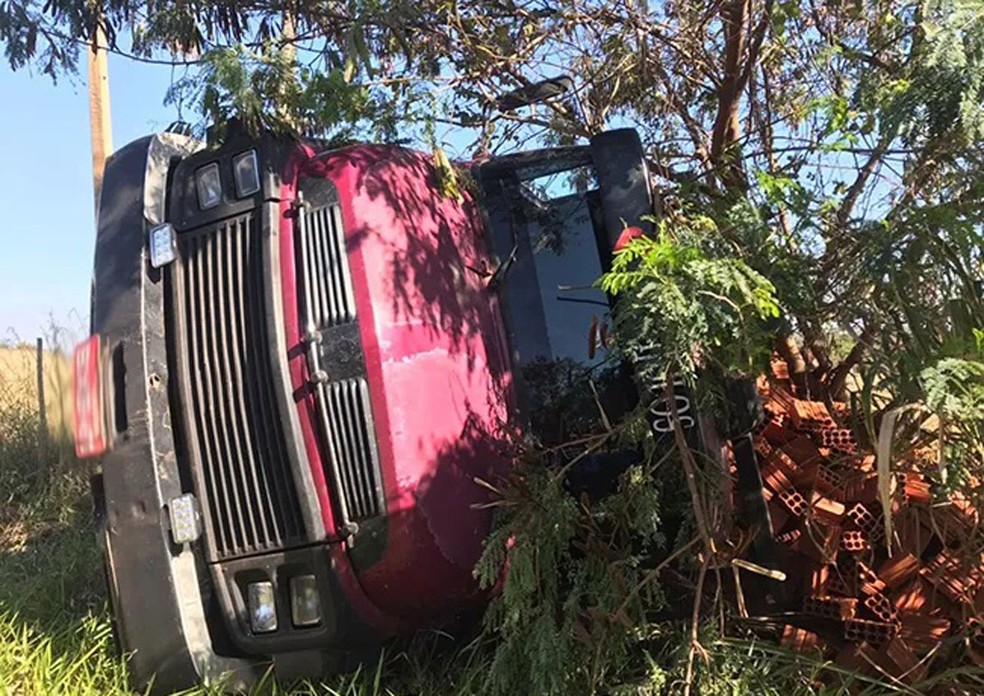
x=535, y=93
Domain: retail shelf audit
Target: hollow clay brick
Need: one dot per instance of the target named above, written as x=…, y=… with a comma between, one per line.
x=780, y=370
x=899, y=570
x=778, y=514
x=851, y=659
x=802, y=451
x=776, y=434
x=809, y=413
x=799, y=639
x=952, y=577
x=861, y=489
x=818, y=581
x=913, y=533
x=917, y=489
x=923, y=632
x=789, y=538
x=897, y=658
x=868, y=581
x=838, y=608
x=860, y=516
x=819, y=542
x=914, y=598
x=774, y=479
x=839, y=439
x=879, y=606
x=854, y=541
x=793, y=502
x=877, y=633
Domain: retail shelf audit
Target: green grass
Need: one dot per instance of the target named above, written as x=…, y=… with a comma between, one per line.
x=56, y=636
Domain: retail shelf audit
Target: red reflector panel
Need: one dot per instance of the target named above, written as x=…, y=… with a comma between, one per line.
x=627, y=235
x=87, y=389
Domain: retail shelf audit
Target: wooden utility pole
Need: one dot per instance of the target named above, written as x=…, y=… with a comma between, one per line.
x=99, y=116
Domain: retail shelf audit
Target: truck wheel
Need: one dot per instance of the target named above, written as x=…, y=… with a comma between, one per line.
x=104, y=543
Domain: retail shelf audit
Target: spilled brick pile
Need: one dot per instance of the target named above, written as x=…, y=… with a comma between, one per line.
x=897, y=614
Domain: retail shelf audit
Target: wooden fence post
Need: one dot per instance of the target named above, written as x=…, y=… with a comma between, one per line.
x=42, y=412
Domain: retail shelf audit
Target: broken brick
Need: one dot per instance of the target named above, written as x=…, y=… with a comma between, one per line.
x=828, y=511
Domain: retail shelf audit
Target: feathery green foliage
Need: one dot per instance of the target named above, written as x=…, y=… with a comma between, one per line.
x=688, y=300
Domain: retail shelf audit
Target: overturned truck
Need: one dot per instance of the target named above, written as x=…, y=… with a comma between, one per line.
x=301, y=359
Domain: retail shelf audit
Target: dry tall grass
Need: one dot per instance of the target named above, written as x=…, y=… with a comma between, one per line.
x=19, y=387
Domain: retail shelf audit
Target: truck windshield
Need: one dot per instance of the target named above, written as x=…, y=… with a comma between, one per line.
x=546, y=225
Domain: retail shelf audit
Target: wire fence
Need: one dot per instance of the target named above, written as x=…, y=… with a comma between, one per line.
x=35, y=412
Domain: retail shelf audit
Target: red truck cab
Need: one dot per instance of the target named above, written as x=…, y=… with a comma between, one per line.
x=303, y=363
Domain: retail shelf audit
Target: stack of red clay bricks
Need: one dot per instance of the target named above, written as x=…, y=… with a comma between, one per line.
x=885, y=614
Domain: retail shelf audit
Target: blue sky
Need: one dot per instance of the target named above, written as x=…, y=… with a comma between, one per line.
x=47, y=242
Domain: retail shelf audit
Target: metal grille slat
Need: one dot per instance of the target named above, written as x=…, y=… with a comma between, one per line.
x=247, y=486
x=326, y=309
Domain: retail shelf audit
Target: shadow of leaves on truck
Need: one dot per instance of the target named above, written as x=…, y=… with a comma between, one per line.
x=443, y=532
x=431, y=247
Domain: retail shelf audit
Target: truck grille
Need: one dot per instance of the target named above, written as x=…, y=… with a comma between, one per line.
x=354, y=447
x=238, y=443
x=326, y=264
x=346, y=416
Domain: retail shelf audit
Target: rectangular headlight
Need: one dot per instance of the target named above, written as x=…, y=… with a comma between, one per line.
x=305, y=602
x=246, y=170
x=209, y=185
x=162, y=245
x=186, y=525
x=262, y=604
